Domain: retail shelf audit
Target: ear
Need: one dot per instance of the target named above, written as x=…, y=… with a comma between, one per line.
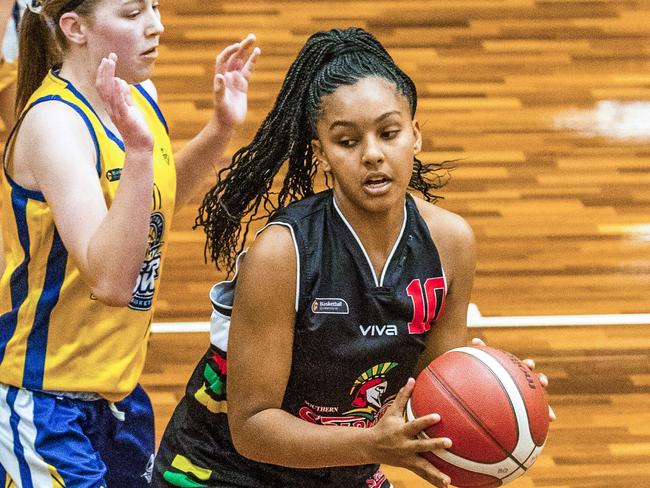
x=417, y=145
x=317, y=149
x=74, y=28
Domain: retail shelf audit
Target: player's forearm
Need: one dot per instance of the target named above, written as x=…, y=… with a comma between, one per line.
x=276, y=437
x=201, y=156
x=6, y=7
x=118, y=247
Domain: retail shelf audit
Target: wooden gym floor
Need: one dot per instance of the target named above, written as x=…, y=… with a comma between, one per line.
x=546, y=106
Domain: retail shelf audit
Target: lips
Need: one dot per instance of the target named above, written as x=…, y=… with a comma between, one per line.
x=377, y=183
x=376, y=179
x=149, y=53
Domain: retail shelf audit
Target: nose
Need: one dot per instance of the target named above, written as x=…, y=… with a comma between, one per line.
x=372, y=154
x=155, y=26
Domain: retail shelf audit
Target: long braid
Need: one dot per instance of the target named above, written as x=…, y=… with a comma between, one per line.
x=246, y=183
x=327, y=61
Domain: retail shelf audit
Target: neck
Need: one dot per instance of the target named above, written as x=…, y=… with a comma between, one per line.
x=377, y=231
x=82, y=73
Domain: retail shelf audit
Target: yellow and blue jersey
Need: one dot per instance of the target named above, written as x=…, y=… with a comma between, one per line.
x=54, y=334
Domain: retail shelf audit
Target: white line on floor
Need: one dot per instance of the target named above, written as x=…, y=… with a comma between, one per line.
x=474, y=319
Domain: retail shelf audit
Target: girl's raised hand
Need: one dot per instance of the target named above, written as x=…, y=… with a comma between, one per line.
x=396, y=441
x=232, y=71
x=116, y=95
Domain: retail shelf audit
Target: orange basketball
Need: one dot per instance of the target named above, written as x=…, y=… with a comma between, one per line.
x=492, y=407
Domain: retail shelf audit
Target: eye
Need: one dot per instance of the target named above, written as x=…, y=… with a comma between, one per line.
x=389, y=134
x=133, y=14
x=347, y=142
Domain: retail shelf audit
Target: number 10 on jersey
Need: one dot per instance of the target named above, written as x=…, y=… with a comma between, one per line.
x=426, y=303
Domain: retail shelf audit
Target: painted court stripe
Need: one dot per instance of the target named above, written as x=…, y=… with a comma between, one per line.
x=474, y=319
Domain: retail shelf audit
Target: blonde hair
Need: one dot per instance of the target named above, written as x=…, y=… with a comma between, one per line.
x=42, y=44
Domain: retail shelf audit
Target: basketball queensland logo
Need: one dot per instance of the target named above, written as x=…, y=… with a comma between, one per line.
x=368, y=401
x=330, y=306
x=145, y=286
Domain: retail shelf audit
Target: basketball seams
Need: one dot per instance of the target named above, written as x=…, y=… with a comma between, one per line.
x=525, y=407
x=514, y=468
x=515, y=397
x=536, y=450
x=477, y=421
x=521, y=395
x=467, y=403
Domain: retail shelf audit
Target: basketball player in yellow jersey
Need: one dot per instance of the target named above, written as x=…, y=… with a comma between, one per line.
x=90, y=185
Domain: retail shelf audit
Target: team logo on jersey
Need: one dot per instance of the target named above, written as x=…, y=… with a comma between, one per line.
x=114, y=174
x=330, y=306
x=368, y=401
x=165, y=155
x=145, y=287
x=377, y=481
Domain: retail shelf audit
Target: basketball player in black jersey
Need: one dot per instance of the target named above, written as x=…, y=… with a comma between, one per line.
x=341, y=299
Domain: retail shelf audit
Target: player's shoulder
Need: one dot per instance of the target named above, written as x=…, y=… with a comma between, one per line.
x=273, y=246
x=269, y=270
x=454, y=240
x=445, y=226
x=51, y=118
x=52, y=129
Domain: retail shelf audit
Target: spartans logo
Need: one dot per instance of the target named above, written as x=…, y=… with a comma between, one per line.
x=369, y=389
x=368, y=401
x=145, y=287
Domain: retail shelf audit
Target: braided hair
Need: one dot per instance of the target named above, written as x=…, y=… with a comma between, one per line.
x=328, y=60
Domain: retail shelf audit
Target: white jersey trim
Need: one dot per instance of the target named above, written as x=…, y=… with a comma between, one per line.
x=379, y=282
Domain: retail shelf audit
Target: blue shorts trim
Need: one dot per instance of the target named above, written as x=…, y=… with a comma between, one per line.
x=58, y=441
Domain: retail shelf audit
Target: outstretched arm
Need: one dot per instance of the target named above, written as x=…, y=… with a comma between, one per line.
x=6, y=8
x=8, y=93
x=203, y=154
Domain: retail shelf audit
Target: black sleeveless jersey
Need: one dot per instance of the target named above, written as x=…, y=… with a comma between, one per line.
x=357, y=336
x=357, y=340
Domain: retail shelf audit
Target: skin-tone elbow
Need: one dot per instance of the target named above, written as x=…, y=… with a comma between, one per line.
x=243, y=449
x=245, y=443
x=113, y=294
x=238, y=439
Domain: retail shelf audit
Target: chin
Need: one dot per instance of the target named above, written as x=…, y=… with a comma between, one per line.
x=379, y=206
x=143, y=76
x=136, y=76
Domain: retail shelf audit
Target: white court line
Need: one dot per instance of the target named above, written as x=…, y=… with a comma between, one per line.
x=474, y=319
